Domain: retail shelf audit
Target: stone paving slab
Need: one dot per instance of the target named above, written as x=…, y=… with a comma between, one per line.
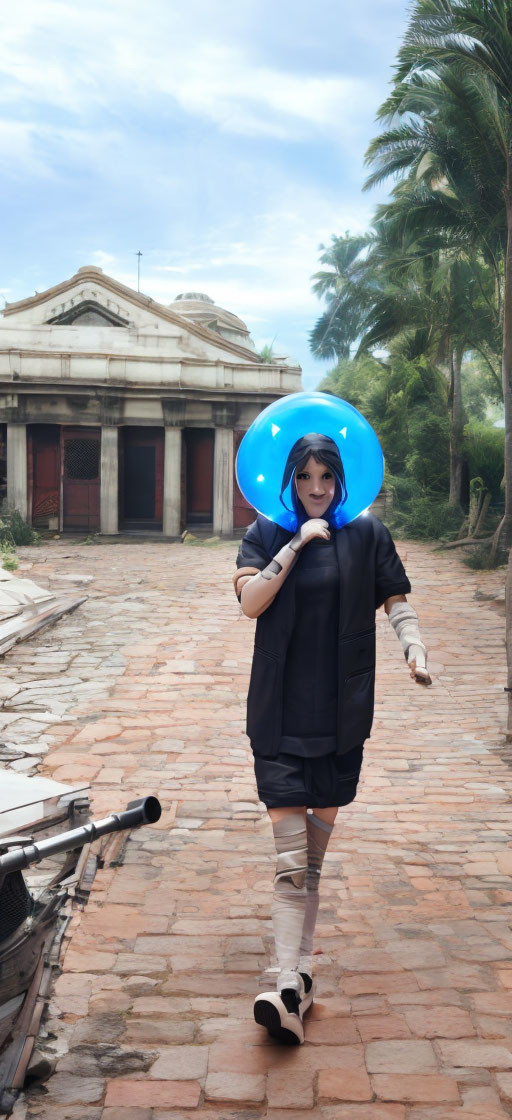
x=151, y=1018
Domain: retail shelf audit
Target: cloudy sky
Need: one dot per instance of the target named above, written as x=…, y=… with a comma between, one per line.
x=225, y=140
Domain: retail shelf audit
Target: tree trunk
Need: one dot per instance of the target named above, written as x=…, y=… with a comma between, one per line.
x=477, y=489
x=484, y=507
x=503, y=535
x=456, y=427
x=508, y=633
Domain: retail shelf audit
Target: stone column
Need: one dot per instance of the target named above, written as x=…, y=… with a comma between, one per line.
x=109, y=487
x=17, y=467
x=172, y=483
x=223, y=482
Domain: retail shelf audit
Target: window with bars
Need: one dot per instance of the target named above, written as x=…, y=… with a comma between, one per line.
x=82, y=458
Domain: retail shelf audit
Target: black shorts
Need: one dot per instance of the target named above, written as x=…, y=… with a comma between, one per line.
x=315, y=782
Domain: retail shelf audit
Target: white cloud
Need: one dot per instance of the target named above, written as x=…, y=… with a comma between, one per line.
x=222, y=83
x=19, y=150
x=137, y=114
x=83, y=59
x=47, y=151
x=264, y=278
x=103, y=260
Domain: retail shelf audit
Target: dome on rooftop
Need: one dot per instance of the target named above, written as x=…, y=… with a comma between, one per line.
x=195, y=296
x=201, y=309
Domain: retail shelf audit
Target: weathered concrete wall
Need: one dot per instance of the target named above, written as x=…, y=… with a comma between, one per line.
x=23, y=360
x=172, y=483
x=109, y=522
x=17, y=467
x=223, y=482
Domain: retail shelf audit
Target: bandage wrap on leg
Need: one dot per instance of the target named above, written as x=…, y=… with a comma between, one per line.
x=318, y=833
x=289, y=898
x=404, y=621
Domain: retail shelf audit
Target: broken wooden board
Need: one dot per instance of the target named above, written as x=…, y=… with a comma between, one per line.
x=30, y=620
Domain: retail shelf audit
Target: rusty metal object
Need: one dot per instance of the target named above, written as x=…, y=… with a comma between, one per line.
x=30, y=926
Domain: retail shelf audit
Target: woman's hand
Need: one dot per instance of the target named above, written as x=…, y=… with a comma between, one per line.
x=315, y=527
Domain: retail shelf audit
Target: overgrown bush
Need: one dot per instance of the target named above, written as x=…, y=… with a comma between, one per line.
x=485, y=449
x=406, y=401
x=479, y=557
x=8, y=561
x=425, y=517
x=14, y=529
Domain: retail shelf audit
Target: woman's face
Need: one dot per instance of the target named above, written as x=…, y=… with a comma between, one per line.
x=315, y=486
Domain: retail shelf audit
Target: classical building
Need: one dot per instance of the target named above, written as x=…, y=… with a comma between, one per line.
x=118, y=413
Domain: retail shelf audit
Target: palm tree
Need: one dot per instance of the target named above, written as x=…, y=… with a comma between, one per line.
x=406, y=285
x=452, y=45
x=450, y=117
x=339, y=325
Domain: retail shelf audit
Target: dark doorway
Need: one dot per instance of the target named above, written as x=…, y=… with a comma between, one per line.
x=139, y=482
x=199, y=475
x=80, y=459
x=141, y=478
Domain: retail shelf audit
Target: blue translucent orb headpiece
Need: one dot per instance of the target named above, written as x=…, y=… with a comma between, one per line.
x=304, y=424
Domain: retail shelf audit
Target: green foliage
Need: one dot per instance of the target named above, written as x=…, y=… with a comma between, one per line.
x=479, y=557
x=447, y=142
x=8, y=558
x=485, y=450
x=405, y=401
x=421, y=515
x=482, y=390
x=189, y=538
x=341, y=285
x=266, y=354
x=9, y=561
x=428, y=282
x=14, y=529
x=406, y=404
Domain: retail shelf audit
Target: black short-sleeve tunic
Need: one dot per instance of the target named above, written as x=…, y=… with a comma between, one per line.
x=310, y=685
x=308, y=769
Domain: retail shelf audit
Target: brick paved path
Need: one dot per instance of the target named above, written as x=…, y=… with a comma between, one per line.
x=152, y=1016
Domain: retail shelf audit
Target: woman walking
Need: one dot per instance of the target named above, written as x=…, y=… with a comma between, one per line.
x=310, y=702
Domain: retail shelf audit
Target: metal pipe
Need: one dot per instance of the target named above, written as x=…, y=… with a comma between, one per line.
x=145, y=810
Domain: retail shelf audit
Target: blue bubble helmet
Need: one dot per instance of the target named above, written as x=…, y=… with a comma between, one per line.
x=265, y=447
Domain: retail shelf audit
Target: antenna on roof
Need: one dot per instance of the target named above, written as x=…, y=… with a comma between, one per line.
x=138, y=255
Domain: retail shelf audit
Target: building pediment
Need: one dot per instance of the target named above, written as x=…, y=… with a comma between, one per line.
x=88, y=312
x=117, y=305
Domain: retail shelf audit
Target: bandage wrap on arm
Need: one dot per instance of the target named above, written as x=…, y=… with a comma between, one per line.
x=273, y=569
x=404, y=621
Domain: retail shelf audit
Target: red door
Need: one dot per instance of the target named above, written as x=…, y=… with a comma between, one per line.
x=81, y=449
x=243, y=513
x=44, y=465
x=199, y=475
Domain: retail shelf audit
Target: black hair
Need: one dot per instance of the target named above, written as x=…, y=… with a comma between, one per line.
x=324, y=450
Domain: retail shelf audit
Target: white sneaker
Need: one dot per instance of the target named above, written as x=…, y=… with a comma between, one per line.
x=281, y=1014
